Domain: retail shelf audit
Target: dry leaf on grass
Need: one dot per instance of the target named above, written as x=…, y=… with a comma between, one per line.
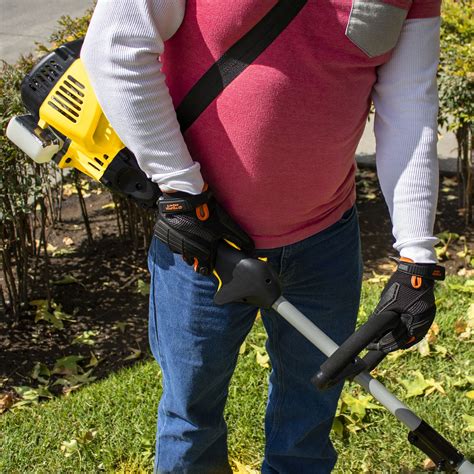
x=240, y=468
x=460, y=326
x=429, y=465
x=433, y=333
x=6, y=401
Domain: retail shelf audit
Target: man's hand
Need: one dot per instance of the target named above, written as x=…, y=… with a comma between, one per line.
x=193, y=226
x=409, y=292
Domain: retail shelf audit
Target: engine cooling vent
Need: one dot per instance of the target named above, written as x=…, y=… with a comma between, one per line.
x=46, y=76
x=37, y=85
x=69, y=98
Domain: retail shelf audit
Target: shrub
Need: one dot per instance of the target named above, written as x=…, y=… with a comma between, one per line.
x=30, y=198
x=27, y=197
x=456, y=85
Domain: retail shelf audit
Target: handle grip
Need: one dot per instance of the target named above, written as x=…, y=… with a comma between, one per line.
x=244, y=279
x=344, y=362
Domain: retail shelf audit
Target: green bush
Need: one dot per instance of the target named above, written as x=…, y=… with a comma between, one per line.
x=26, y=196
x=30, y=195
x=456, y=86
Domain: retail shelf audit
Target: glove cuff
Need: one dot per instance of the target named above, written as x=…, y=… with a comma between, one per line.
x=430, y=271
x=179, y=202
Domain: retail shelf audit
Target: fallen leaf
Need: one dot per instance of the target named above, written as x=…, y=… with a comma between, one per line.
x=424, y=347
x=358, y=405
x=242, y=348
x=67, y=365
x=429, y=465
x=450, y=181
x=86, y=338
x=433, y=333
x=6, y=401
x=136, y=354
x=263, y=360
x=434, y=386
x=143, y=288
x=121, y=326
x=51, y=313
x=62, y=252
x=462, y=288
x=387, y=267
x=69, y=447
x=93, y=361
x=30, y=395
x=447, y=236
x=240, y=468
x=470, y=394
x=50, y=248
x=378, y=278
x=466, y=272
x=88, y=436
x=362, y=314
x=441, y=350
x=68, y=190
x=466, y=381
x=68, y=241
x=460, y=326
x=41, y=372
x=73, y=382
x=392, y=356
x=338, y=427
x=420, y=386
x=470, y=423
x=68, y=280
x=110, y=205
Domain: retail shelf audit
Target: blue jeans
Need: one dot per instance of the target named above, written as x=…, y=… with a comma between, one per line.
x=196, y=344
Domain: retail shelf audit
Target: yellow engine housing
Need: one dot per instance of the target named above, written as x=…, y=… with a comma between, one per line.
x=72, y=109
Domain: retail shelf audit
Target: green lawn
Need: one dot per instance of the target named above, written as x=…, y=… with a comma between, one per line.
x=110, y=425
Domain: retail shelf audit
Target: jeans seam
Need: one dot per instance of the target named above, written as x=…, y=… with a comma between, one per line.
x=162, y=362
x=282, y=261
x=281, y=384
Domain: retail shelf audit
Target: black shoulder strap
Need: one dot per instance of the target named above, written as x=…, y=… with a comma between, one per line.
x=238, y=57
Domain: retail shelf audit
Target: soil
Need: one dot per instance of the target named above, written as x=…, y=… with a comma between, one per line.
x=104, y=296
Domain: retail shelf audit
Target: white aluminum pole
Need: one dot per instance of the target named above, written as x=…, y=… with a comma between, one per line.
x=327, y=346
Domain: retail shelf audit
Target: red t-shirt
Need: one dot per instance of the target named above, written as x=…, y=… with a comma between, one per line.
x=295, y=115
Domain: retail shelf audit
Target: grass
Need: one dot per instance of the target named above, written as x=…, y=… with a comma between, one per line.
x=109, y=426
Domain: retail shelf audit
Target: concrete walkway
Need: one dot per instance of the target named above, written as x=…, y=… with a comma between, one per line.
x=23, y=22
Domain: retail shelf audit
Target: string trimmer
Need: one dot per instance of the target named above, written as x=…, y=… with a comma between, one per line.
x=67, y=125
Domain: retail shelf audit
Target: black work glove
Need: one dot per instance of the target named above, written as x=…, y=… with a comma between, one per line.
x=193, y=226
x=409, y=292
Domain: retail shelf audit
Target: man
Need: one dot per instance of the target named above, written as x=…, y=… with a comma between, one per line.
x=277, y=151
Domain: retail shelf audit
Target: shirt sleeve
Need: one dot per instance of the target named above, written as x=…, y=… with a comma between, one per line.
x=121, y=56
x=406, y=102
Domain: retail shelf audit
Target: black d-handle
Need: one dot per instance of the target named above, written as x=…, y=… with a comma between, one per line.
x=344, y=362
x=244, y=279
